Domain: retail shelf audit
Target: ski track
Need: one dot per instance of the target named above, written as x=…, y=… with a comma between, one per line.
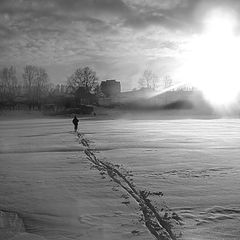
x=46, y=180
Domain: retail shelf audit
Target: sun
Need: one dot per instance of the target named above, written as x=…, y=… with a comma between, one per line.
x=213, y=61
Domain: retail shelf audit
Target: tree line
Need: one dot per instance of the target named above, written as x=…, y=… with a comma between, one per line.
x=34, y=83
x=33, y=87
x=150, y=80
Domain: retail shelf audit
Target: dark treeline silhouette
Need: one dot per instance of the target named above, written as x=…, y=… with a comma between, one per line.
x=9, y=88
x=32, y=90
x=36, y=86
x=27, y=92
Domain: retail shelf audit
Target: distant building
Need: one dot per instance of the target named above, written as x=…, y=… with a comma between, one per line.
x=110, y=88
x=136, y=96
x=148, y=97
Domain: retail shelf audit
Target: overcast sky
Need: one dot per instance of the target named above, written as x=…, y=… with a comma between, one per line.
x=119, y=39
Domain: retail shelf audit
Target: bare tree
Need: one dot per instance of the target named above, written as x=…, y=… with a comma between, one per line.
x=29, y=78
x=167, y=82
x=83, y=77
x=8, y=84
x=36, y=82
x=42, y=83
x=148, y=79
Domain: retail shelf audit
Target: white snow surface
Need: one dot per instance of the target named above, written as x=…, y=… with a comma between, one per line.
x=46, y=179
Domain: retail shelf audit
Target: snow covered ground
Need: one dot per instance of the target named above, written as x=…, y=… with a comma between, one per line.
x=46, y=178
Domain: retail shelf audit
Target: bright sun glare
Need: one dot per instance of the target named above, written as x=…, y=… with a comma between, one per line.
x=213, y=61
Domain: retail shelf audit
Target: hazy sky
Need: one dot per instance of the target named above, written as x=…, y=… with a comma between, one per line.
x=117, y=38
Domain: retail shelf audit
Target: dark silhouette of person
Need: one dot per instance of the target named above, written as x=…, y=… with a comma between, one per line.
x=75, y=123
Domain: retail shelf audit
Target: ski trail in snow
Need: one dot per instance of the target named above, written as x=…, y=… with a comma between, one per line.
x=161, y=224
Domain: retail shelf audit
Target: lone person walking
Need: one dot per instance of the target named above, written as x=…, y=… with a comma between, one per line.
x=75, y=123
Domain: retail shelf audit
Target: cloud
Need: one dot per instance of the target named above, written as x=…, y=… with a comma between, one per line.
x=107, y=34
